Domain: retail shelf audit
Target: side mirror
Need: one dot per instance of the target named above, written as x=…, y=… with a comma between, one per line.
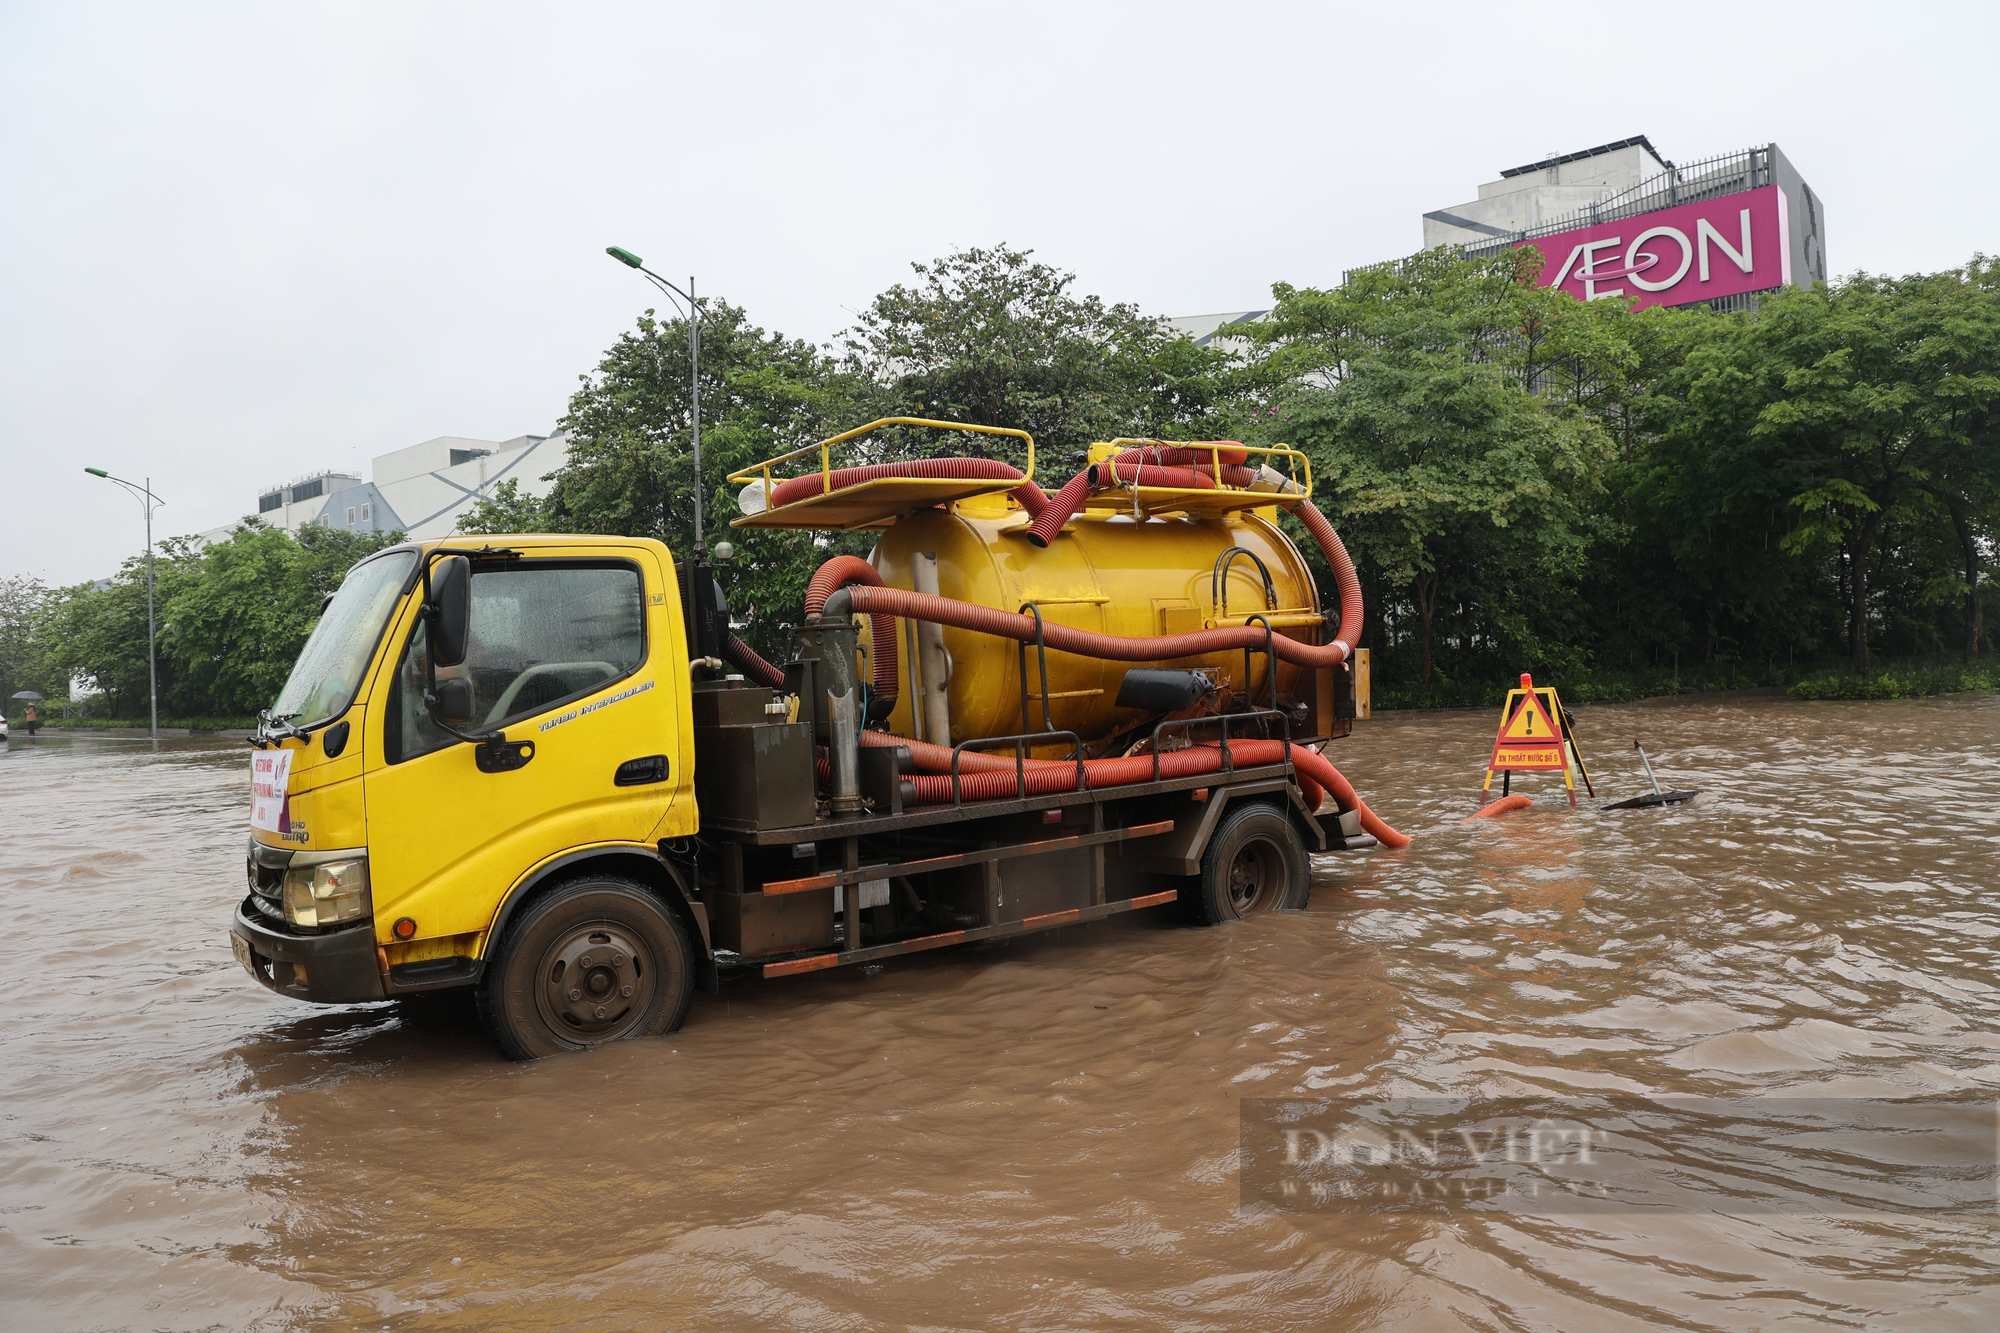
x=450, y=608
x=452, y=702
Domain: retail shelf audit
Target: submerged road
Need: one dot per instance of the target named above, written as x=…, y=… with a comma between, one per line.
x=1047, y=1135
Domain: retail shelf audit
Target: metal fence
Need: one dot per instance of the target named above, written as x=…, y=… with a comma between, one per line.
x=1710, y=178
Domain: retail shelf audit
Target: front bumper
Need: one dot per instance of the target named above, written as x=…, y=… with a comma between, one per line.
x=338, y=968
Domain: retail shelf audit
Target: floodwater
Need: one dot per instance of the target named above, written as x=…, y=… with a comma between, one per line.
x=1042, y=1136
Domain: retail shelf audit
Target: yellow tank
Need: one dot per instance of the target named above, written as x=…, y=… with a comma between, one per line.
x=1108, y=573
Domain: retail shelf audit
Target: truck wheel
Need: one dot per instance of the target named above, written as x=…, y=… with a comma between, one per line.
x=592, y=961
x=1255, y=863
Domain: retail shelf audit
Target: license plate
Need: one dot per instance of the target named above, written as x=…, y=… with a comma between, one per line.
x=241, y=948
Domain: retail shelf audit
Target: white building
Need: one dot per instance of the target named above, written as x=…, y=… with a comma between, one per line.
x=422, y=491
x=1211, y=330
x=1557, y=187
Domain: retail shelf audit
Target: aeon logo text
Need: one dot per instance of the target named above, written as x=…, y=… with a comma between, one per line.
x=1639, y=261
x=1692, y=252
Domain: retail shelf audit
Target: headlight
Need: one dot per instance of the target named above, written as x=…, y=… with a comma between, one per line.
x=328, y=894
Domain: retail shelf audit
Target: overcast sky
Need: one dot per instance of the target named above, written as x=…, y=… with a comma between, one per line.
x=243, y=242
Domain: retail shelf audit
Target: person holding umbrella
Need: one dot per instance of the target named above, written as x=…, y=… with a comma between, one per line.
x=34, y=722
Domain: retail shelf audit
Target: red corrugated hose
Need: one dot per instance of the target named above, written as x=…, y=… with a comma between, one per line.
x=845, y=570
x=1153, y=465
x=990, y=777
x=1028, y=495
x=754, y=666
x=1088, y=643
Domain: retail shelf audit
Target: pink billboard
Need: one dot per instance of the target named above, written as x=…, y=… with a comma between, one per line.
x=1690, y=252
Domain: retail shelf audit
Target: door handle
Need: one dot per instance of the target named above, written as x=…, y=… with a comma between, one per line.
x=639, y=772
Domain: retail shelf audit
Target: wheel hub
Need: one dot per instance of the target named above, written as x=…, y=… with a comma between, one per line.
x=1252, y=879
x=595, y=983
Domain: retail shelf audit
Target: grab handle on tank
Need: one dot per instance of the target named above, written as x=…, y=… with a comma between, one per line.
x=1021, y=744
x=1041, y=659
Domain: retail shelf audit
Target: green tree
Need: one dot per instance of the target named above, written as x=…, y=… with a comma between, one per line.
x=1966, y=420
x=231, y=619
x=508, y=510
x=1457, y=484
x=1849, y=404
x=997, y=338
x=234, y=630
x=97, y=631
x=23, y=666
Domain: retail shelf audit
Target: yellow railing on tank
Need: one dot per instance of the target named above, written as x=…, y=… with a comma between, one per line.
x=1297, y=467
x=825, y=448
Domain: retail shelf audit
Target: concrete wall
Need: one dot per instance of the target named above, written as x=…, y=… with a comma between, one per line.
x=1807, y=218
x=292, y=515
x=1532, y=198
x=431, y=493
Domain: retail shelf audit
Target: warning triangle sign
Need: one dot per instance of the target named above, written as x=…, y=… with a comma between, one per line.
x=1530, y=722
x=1530, y=737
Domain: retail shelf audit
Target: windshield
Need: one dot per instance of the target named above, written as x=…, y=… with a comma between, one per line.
x=328, y=672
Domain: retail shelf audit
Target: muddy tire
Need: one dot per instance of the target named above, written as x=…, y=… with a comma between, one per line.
x=1255, y=863
x=593, y=961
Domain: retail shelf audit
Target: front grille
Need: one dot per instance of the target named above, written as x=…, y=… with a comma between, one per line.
x=271, y=911
x=267, y=895
x=267, y=883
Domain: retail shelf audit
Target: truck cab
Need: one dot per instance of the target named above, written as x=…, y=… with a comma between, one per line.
x=400, y=848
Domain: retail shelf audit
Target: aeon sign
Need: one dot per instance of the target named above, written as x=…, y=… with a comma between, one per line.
x=1674, y=256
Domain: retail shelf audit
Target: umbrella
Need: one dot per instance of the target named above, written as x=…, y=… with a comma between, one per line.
x=26, y=694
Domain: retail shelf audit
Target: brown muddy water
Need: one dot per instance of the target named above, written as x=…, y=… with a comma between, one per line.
x=1038, y=1137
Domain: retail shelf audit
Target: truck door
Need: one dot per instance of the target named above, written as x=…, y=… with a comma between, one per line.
x=562, y=651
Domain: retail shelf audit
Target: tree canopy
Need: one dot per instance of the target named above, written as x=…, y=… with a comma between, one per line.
x=230, y=618
x=996, y=338
x=1413, y=390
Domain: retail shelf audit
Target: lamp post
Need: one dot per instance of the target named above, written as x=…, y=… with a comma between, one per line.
x=148, y=501
x=693, y=312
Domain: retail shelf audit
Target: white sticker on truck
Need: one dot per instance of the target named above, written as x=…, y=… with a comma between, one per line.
x=575, y=713
x=270, y=779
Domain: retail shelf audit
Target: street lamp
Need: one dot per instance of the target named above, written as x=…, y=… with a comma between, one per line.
x=693, y=311
x=148, y=501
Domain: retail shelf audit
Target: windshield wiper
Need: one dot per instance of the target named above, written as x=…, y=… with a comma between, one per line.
x=273, y=730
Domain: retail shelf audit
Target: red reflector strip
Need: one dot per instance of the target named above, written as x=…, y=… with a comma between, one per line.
x=1155, y=899
x=812, y=964
x=1050, y=919
x=810, y=882
x=933, y=941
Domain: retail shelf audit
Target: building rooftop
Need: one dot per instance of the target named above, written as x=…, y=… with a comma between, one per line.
x=1558, y=159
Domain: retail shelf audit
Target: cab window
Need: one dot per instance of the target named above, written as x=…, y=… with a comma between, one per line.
x=540, y=635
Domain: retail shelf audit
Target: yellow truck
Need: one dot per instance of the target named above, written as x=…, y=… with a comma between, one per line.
x=546, y=769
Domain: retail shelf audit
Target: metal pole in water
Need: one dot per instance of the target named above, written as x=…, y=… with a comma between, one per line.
x=152, y=655
x=1649, y=767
